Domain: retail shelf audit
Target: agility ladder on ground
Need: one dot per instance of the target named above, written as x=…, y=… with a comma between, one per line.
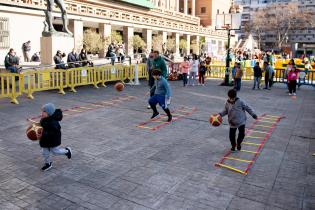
x=256, y=136
x=89, y=107
x=157, y=123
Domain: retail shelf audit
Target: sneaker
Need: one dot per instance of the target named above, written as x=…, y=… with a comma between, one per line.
x=69, y=153
x=290, y=94
x=233, y=149
x=294, y=94
x=239, y=147
x=148, y=107
x=155, y=115
x=47, y=166
x=169, y=118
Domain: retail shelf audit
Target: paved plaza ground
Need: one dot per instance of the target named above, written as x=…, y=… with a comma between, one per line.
x=116, y=165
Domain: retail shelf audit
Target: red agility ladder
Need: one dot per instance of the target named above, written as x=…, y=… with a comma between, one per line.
x=89, y=106
x=157, y=123
x=256, y=136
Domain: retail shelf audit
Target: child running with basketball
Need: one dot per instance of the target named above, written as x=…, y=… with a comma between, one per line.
x=235, y=109
x=161, y=96
x=50, y=138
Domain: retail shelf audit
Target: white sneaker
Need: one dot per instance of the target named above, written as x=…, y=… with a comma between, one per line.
x=294, y=94
x=290, y=94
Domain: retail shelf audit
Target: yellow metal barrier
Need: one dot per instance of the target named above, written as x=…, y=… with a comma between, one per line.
x=40, y=80
x=11, y=86
x=142, y=71
x=81, y=76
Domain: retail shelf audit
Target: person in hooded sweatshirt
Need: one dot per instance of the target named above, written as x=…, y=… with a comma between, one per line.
x=50, y=138
x=235, y=109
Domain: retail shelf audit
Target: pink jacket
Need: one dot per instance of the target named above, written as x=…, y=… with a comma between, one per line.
x=293, y=75
x=185, y=67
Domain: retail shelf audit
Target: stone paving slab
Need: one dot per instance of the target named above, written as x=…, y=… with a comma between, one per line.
x=116, y=165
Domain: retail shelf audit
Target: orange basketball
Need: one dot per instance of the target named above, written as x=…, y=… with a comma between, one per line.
x=119, y=86
x=32, y=131
x=215, y=120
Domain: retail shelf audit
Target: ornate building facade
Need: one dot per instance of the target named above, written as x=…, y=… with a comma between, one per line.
x=22, y=20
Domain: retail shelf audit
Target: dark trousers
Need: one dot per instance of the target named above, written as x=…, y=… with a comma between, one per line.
x=201, y=78
x=268, y=82
x=292, y=86
x=238, y=83
x=184, y=79
x=241, y=135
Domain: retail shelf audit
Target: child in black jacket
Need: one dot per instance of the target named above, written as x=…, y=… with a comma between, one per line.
x=50, y=138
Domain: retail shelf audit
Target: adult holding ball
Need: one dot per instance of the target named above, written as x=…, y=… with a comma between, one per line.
x=235, y=109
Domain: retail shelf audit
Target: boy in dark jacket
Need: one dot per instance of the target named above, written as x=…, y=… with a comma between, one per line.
x=50, y=138
x=257, y=75
x=235, y=109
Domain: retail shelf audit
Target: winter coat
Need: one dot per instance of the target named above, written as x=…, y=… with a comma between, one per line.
x=257, y=71
x=236, y=112
x=11, y=60
x=51, y=135
x=293, y=75
x=160, y=64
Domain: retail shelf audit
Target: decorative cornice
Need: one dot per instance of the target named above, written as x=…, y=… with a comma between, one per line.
x=114, y=12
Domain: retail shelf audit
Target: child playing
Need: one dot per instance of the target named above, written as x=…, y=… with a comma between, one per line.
x=292, y=77
x=184, y=68
x=50, y=138
x=235, y=109
x=202, y=72
x=162, y=95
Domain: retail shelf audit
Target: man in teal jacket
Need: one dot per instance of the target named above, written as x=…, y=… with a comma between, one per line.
x=159, y=63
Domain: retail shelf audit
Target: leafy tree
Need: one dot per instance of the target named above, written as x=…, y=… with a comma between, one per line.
x=138, y=43
x=93, y=41
x=183, y=44
x=157, y=43
x=116, y=37
x=170, y=44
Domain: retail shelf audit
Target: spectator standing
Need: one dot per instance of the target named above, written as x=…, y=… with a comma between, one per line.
x=193, y=70
x=202, y=72
x=26, y=48
x=184, y=68
x=257, y=75
x=292, y=78
x=268, y=75
x=238, y=77
x=11, y=61
x=159, y=63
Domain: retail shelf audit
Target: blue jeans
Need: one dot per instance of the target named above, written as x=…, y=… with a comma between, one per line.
x=12, y=69
x=256, y=81
x=238, y=82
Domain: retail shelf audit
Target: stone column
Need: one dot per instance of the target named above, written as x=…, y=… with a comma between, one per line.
x=76, y=27
x=127, y=37
x=186, y=7
x=188, y=44
x=177, y=6
x=147, y=36
x=193, y=7
x=105, y=31
x=198, y=47
x=176, y=50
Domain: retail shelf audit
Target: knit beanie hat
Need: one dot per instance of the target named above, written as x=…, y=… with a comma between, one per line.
x=49, y=109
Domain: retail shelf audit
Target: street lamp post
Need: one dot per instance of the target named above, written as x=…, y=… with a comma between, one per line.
x=230, y=21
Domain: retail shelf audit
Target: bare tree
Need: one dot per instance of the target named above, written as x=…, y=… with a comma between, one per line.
x=278, y=20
